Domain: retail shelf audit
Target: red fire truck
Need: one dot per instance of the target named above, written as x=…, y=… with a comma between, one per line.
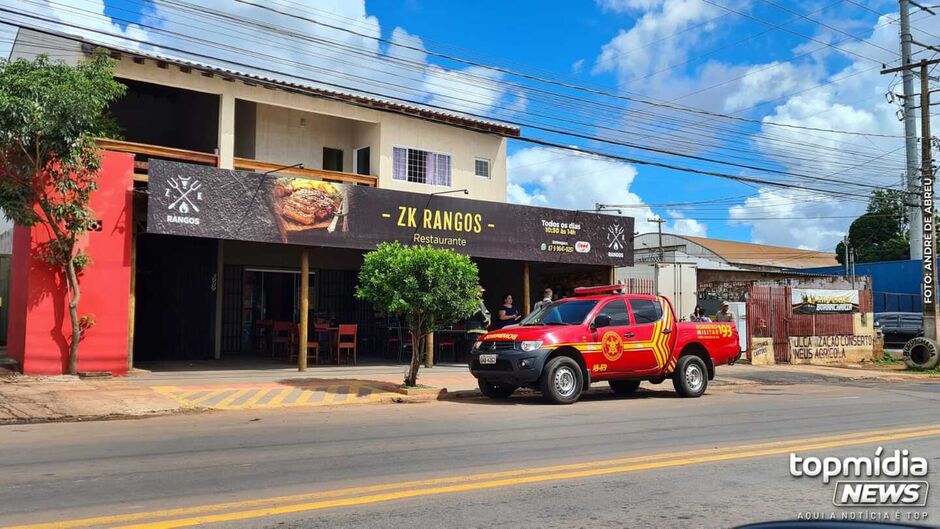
x=601, y=334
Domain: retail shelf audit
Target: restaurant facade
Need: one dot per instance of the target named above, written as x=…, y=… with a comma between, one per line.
x=228, y=189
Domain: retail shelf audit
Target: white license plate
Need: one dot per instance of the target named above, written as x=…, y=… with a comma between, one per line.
x=487, y=359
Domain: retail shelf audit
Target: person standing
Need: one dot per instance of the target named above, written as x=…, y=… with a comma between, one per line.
x=547, y=300
x=507, y=314
x=698, y=315
x=480, y=321
x=725, y=314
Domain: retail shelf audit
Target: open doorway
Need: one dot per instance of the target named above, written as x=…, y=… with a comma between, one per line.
x=270, y=295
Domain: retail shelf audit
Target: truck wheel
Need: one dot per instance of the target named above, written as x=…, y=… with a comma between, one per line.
x=921, y=353
x=624, y=387
x=495, y=391
x=691, y=376
x=562, y=381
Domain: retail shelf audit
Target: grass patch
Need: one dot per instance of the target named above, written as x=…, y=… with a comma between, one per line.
x=934, y=371
x=887, y=360
x=416, y=386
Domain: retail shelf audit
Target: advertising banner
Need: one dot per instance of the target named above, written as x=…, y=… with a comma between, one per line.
x=203, y=201
x=822, y=301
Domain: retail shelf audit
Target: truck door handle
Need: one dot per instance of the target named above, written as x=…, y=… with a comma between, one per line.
x=628, y=335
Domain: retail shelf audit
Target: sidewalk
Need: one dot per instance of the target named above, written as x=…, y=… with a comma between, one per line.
x=67, y=398
x=63, y=398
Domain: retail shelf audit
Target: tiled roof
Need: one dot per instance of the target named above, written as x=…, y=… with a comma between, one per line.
x=746, y=253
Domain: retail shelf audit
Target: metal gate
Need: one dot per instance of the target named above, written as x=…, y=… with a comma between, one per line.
x=768, y=316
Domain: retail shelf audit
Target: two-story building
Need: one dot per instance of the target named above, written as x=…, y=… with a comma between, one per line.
x=226, y=184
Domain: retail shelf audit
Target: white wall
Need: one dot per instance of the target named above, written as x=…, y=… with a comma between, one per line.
x=281, y=137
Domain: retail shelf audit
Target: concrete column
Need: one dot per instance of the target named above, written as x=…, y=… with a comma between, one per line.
x=227, y=130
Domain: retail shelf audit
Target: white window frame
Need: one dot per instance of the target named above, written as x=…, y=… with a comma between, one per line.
x=489, y=168
x=449, y=155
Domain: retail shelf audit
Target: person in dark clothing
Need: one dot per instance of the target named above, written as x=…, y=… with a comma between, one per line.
x=507, y=314
x=481, y=319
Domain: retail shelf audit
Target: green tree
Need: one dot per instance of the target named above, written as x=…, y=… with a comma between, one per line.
x=427, y=287
x=882, y=232
x=50, y=113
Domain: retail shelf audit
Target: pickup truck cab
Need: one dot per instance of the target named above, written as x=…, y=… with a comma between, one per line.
x=598, y=335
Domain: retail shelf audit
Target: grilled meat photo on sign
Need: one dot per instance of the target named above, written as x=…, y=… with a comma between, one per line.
x=304, y=204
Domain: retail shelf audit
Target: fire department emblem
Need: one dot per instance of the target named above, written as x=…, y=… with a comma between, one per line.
x=612, y=346
x=186, y=196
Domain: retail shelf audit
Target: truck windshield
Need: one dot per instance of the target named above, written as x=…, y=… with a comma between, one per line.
x=561, y=313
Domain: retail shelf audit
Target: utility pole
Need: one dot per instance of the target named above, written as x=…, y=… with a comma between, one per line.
x=910, y=133
x=926, y=195
x=659, y=221
x=845, y=254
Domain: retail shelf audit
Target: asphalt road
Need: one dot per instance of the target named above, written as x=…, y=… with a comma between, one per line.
x=651, y=460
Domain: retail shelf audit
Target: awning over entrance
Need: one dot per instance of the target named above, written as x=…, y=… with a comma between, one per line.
x=217, y=203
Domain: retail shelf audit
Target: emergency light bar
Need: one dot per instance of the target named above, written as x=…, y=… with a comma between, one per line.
x=594, y=291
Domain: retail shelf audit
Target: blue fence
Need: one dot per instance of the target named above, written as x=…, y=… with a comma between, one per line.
x=895, y=284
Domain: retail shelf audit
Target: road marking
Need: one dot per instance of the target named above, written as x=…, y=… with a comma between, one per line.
x=435, y=486
x=254, y=396
x=250, y=403
x=224, y=403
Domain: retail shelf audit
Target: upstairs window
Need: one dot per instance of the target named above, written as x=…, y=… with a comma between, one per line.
x=481, y=167
x=422, y=167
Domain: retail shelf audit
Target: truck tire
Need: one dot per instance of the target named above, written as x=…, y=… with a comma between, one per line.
x=624, y=387
x=495, y=391
x=691, y=376
x=921, y=353
x=562, y=381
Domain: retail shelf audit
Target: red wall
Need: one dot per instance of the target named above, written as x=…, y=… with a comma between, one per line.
x=39, y=326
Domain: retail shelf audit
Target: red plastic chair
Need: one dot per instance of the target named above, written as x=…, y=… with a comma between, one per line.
x=319, y=331
x=347, y=342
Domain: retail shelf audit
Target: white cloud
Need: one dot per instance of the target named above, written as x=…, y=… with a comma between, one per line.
x=620, y=6
x=767, y=82
x=348, y=62
x=850, y=99
x=856, y=103
x=540, y=176
x=577, y=66
x=804, y=218
x=629, y=53
x=685, y=226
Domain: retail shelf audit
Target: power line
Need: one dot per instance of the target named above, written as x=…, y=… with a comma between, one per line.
x=542, y=142
x=542, y=79
x=536, y=126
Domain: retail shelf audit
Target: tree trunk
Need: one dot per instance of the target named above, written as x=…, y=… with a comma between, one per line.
x=75, y=296
x=412, y=378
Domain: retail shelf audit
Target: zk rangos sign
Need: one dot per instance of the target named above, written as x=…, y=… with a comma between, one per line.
x=216, y=203
x=821, y=301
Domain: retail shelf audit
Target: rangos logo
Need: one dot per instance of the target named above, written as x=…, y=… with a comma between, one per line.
x=185, y=196
x=615, y=240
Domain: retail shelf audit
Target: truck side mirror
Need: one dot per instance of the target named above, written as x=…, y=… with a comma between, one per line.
x=602, y=320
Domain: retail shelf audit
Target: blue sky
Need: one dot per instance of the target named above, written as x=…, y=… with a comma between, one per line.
x=784, y=64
